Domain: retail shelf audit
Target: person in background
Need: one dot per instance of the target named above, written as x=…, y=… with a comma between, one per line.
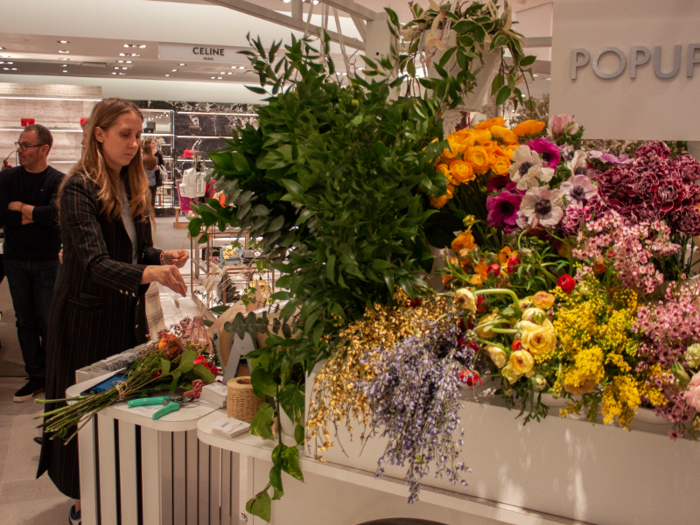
x=108, y=262
x=152, y=161
x=32, y=242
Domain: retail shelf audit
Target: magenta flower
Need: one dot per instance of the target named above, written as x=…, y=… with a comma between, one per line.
x=497, y=183
x=503, y=209
x=607, y=157
x=549, y=152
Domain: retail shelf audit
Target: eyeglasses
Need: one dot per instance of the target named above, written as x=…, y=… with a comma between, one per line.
x=23, y=147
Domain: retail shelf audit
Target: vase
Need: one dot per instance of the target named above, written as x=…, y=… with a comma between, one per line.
x=484, y=77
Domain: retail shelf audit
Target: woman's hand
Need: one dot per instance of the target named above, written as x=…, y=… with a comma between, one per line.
x=167, y=275
x=176, y=257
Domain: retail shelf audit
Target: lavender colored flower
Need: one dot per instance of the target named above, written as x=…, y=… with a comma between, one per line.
x=607, y=157
x=415, y=404
x=541, y=206
x=549, y=152
x=578, y=189
x=503, y=210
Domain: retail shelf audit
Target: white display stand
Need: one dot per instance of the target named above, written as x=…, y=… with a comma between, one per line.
x=134, y=470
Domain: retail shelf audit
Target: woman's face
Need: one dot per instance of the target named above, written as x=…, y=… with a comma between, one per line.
x=121, y=141
x=152, y=144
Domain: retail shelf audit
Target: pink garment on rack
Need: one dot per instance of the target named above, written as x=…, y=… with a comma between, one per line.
x=186, y=202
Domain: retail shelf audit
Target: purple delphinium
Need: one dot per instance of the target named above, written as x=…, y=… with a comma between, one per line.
x=415, y=404
x=548, y=151
x=503, y=210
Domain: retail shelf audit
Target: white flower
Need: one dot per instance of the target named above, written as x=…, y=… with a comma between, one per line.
x=578, y=189
x=541, y=206
x=527, y=170
x=577, y=164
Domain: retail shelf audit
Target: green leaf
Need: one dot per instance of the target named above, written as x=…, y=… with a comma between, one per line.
x=263, y=383
x=497, y=84
x=276, y=478
x=292, y=400
x=204, y=373
x=261, y=506
x=259, y=91
x=275, y=224
x=503, y=95
x=187, y=361
x=299, y=434
x=528, y=60
x=260, y=426
x=173, y=384
x=165, y=366
x=195, y=227
x=330, y=268
x=291, y=463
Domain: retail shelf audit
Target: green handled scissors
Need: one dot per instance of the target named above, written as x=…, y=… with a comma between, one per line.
x=170, y=404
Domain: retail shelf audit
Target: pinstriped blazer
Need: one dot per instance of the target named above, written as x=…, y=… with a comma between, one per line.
x=96, y=289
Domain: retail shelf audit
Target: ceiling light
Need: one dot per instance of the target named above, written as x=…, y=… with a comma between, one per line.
x=129, y=61
x=7, y=69
x=135, y=55
x=213, y=78
x=11, y=63
x=63, y=42
x=221, y=78
x=116, y=67
x=222, y=72
x=122, y=54
x=63, y=52
x=127, y=45
x=230, y=72
x=142, y=46
x=1, y=62
x=65, y=59
x=241, y=67
x=183, y=65
x=120, y=61
x=315, y=2
x=65, y=71
x=14, y=69
x=125, y=68
x=174, y=70
x=534, y=75
x=1, y=48
x=114, y=72
x=167, y=75
x=286, y=1
x=122, y=73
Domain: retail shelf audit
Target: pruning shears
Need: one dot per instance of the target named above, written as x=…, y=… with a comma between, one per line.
x=170, y=404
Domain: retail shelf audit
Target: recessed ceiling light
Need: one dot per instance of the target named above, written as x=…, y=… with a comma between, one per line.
x=63, y=42
x=129, y=61
x=14, y=69
x=122, y=54
x=11, y=63
x=2, y=62
x=135, y=55
x=120, y=61
x=65, y=59
x=174, y=70
x=315, y=2
x=7, y=69
x=127, y=45
x=183, y=65
x=241, y=67
x=213, y=78
x=116, y=67
x=167, y=75
x=125, y=68
x=114, y=72
x=1, y=48
x=230, y=72
x=122, y=73
x=63, y=52
x=221, y=78
x=142, y=46
x=65, y=71
x=286, y=1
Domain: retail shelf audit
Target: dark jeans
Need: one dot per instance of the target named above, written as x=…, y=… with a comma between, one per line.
x=153, y=195
x=31, y=287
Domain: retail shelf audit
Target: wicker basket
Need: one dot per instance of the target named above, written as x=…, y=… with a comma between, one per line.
x=242, y=403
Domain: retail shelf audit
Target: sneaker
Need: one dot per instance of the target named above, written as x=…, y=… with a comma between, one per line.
x=74, y=518
x=28, y=391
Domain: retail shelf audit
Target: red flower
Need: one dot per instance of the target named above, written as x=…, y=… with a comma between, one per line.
x=212, y=367
x=496, y=269
x=513, y=264
x=566, y=283
x=199, y=359
x=473, y=346
x=479, y=307
x=462, y=326
x=413, y=303
x=469, y=377
x=517, y=345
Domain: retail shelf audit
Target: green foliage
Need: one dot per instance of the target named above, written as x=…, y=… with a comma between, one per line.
x=478, y=29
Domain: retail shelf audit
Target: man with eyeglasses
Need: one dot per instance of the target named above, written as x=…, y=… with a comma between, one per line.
x=29, y=213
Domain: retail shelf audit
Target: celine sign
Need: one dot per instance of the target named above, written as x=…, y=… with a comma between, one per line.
x=628, y=69
x=198, y=53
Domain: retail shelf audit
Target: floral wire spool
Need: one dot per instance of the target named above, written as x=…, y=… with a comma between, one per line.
x=242, y=403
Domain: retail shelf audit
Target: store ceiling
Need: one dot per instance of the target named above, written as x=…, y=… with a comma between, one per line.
x=84, y=55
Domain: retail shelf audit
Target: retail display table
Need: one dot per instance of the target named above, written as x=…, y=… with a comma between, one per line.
x=134, y=470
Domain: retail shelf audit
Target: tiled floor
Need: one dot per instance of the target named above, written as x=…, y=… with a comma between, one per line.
x=25, y=500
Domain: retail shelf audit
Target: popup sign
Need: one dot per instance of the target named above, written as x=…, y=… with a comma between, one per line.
x=628, y=69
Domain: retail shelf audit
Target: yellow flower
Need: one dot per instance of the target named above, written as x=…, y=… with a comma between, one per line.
x=529, y=127
x=505, y=254
x=521, y=361
x=438, y=202
x=497, y=355
x=482, y=269
x=446, y=281
x=543, y=300
x=462, y=171
x=465, y=299
x=508, y=150
x=509, y=374
x=455, y=148
x=507, y=136
x=482, y=136
x=464, y=240
x=485, y=331
x=453, y=261
x=476, y=280
x=500, y=165
x=465, y=137
x=538, y=339
x=488, y=124
x=534, y=315
x=479, y=158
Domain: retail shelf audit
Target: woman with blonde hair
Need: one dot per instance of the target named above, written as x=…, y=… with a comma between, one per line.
x=98, y=308
x=152, y=161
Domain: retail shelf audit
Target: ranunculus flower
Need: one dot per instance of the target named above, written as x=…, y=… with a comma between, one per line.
x=479, y=158
x=464, y=241
x=470, y=377
x=503, y=209
x=566, y=283
x=600, y=268
x=465, y=299
x=501, y=165
x=521, y=362
x=485, y=331
x=541, y=206
x=495, y=268
x=578, y=189
x=497, y=355
x=479, y=306
x=510, y=374
x=543, y=300
x=692, y=355
x=538, y=339
x=488, y=124
x=562, y=125
x=438, y=202
x=462, y=171
x=534, y=315
x=539, y=383
x=527, y=170
x=692, y=395
x=455, y=148
x=482, y=269
x=513, y=264
x=506, y=135
x=549, y=152
x=529, y=127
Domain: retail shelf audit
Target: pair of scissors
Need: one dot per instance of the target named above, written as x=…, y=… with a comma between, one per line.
x=170, y=404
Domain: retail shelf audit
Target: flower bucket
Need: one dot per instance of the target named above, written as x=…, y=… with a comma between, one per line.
x=484, y=78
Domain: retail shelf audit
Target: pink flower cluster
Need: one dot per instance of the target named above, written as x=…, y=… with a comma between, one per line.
x=631, y=249
x=652, y=187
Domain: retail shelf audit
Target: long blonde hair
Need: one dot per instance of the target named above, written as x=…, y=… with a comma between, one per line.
x=93, y=166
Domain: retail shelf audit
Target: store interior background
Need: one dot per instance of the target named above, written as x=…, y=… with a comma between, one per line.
x=57, y=84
